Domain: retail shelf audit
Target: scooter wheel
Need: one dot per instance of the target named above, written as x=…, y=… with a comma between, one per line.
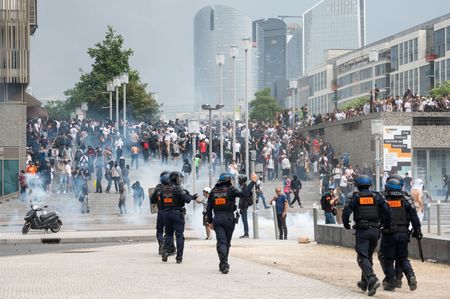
x=55, y=227
x=26, y=228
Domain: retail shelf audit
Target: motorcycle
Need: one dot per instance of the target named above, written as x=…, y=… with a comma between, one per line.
x=44, y=221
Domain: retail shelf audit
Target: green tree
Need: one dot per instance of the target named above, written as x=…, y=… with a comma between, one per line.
x=110, y=59
x=355, y=103
x=57, y=109
x=264, y=107
x=441, y=90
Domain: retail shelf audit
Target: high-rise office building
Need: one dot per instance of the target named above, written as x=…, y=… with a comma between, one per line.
x=270, y=36
x=332, y=24
x=216, y=28
x=294, y=56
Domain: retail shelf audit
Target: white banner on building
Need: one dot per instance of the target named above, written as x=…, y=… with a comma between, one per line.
x=397, y=153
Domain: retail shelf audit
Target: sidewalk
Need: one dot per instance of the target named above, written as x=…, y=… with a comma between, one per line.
x=136, y=271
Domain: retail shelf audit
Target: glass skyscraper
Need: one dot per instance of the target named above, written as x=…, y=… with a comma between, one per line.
x=216, y=28
x=271, y=39
x=332, y=24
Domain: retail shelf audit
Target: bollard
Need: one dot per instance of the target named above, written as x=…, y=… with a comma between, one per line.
x=429, y=217
x=275, y=222
x=315, y=219
x=438, y=217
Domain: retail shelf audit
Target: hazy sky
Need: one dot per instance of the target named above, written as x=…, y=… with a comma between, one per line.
x=161, y=34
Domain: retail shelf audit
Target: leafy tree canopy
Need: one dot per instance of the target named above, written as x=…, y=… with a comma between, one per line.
x=441, y=90
x=264, y=107
x=110, y=59
x=355, y=103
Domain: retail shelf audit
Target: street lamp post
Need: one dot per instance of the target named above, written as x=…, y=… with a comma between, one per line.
x=210, y=110
x=124, y=80
x=110, y=90
x=293, y=88
x=247, y=45
x=234, y=52
x=116, y=83
x=220, y=60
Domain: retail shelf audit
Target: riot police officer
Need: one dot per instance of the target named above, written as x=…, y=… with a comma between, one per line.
x=174, y=197
x=222, y=201
x=394, y=241
x=155, y=198
x=370, y=212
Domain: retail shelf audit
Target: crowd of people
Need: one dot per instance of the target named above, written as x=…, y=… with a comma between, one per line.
x=407, y=103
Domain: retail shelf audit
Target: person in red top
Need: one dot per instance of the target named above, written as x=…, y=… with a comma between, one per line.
x=23, y=185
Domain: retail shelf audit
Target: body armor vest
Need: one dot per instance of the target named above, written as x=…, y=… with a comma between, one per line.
x=221, y=201
x=366, y=211
x=399, y=220
x=169, y=198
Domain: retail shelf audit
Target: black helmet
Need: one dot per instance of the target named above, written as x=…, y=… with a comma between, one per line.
x=242, y=179
x=396, y=177
x=363, y=182
x=393, y=185
x=225, y=178
x=175, y=177
x=164, y=173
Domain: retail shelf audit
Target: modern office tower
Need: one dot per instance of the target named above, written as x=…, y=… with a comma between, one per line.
x=17, y=23
x=332, y=24
x=294, y=50
x=216, y=28
x=272, y=42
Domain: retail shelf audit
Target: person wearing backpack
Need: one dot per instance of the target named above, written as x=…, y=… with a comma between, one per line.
x=244, y=203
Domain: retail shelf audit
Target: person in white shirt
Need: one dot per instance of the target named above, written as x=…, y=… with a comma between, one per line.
x=237, y=150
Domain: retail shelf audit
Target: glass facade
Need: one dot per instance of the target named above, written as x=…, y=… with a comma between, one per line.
x=273, y=51
x=294, y=51
x=332, y=24
x=9, y=173
x=439, y=42
x=216, y=28
x=431, y=165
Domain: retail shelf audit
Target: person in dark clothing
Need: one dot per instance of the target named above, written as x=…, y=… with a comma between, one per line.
x=98, y=178
x=244, y=204
x=407, y=183
x=222, y=202
x=446, y=179
x=155, y=198
x=296, y=186
x=174, y=197
x=327, y=203
x=370, y=213
x=394, y=241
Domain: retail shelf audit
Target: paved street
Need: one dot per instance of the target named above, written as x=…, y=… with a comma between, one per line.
x=136, y=271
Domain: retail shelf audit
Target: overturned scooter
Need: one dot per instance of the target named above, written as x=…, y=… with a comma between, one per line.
x=44, y=221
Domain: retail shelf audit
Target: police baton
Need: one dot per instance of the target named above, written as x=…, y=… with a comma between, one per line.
x=419, y=243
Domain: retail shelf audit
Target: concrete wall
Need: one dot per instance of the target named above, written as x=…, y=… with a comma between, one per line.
x=358, y=142
x=435, y=248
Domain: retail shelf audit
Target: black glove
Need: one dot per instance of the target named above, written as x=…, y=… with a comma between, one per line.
x=347, y=225
x=195, y=196
x=417, y=234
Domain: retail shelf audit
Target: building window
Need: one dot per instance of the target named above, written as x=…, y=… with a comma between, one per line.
x=442, y=71
x=424, y=80
x=416, y=80
x=448, y=41
x=401, y=54
x=411, y=50
x=436, y=73
x=416, y=48
x=439, y=42
x=448, y=69
x=394, y=58
x=10, y=174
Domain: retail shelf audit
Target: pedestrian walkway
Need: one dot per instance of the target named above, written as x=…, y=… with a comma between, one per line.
x=136, y=271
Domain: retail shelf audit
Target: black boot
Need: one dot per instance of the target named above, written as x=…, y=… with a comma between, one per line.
x=161, y=248
x=179, y=259
x=398, y=283
x=373, y=286
x=412, y=283
x=362, y=285
x=165, y=256
x=388, y=285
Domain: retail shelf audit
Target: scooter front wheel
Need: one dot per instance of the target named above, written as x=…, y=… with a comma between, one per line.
x=55, y=227
x=26, y=228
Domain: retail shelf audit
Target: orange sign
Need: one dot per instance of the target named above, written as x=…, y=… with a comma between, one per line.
x=366, y=200
x=168, y=200
x=220, y=201
x=395, y=203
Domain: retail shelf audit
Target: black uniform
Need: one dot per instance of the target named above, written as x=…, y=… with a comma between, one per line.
x=370, y=212
x=394, y=241
x=243, y=208
x=222, y=201
x=173, y=199
x=155, y=198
